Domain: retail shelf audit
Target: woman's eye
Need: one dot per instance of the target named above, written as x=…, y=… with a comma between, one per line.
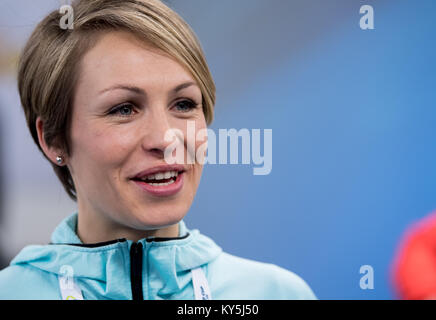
x=186, y=105
x=124, y=110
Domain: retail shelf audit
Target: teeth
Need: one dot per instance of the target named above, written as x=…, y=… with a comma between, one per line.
x=161, y=176
x=161, y=184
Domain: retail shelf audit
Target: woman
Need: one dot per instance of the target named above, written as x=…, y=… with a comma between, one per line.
x=99, y=101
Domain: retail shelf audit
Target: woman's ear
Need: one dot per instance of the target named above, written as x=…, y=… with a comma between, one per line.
x=51, y=152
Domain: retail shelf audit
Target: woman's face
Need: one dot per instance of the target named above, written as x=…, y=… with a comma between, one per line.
x=125, y=102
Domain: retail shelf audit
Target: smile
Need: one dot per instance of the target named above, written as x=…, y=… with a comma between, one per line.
x=161, y=178
x=162, y=183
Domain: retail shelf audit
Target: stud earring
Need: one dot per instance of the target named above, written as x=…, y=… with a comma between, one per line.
x=59, y=159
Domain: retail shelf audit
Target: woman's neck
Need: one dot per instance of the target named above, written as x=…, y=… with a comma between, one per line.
x=91, y=229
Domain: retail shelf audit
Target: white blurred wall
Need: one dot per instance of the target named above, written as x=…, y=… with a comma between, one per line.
x=33, y=200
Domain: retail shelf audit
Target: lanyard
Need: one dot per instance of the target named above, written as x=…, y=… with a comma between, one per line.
x=201, y=286
x=70, y=290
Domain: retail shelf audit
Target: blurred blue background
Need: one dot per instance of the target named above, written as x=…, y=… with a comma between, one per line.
x=352, y=113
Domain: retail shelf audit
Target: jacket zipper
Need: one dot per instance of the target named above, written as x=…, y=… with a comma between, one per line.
x=136, y=271
x=136, y=255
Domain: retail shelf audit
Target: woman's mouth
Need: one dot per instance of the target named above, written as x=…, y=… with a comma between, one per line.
x=162, y=183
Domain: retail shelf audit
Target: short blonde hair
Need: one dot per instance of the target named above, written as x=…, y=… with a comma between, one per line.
x=49, y=64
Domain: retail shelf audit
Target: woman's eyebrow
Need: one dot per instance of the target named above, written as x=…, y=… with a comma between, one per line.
x=183, y=86
x=141, y=91
x=134, y=89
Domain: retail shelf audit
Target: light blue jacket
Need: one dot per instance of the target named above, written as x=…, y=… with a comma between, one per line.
x=105, y=270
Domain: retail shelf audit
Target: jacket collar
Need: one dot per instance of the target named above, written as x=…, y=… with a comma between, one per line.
x=166, y=263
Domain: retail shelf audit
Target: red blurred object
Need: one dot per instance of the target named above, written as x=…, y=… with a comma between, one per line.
x=414, y=266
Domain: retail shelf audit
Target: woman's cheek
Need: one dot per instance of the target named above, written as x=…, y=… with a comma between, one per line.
x=109, y=145
x=201, y=141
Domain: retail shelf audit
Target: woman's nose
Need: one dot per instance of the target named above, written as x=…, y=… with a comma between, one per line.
x=154, y=129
